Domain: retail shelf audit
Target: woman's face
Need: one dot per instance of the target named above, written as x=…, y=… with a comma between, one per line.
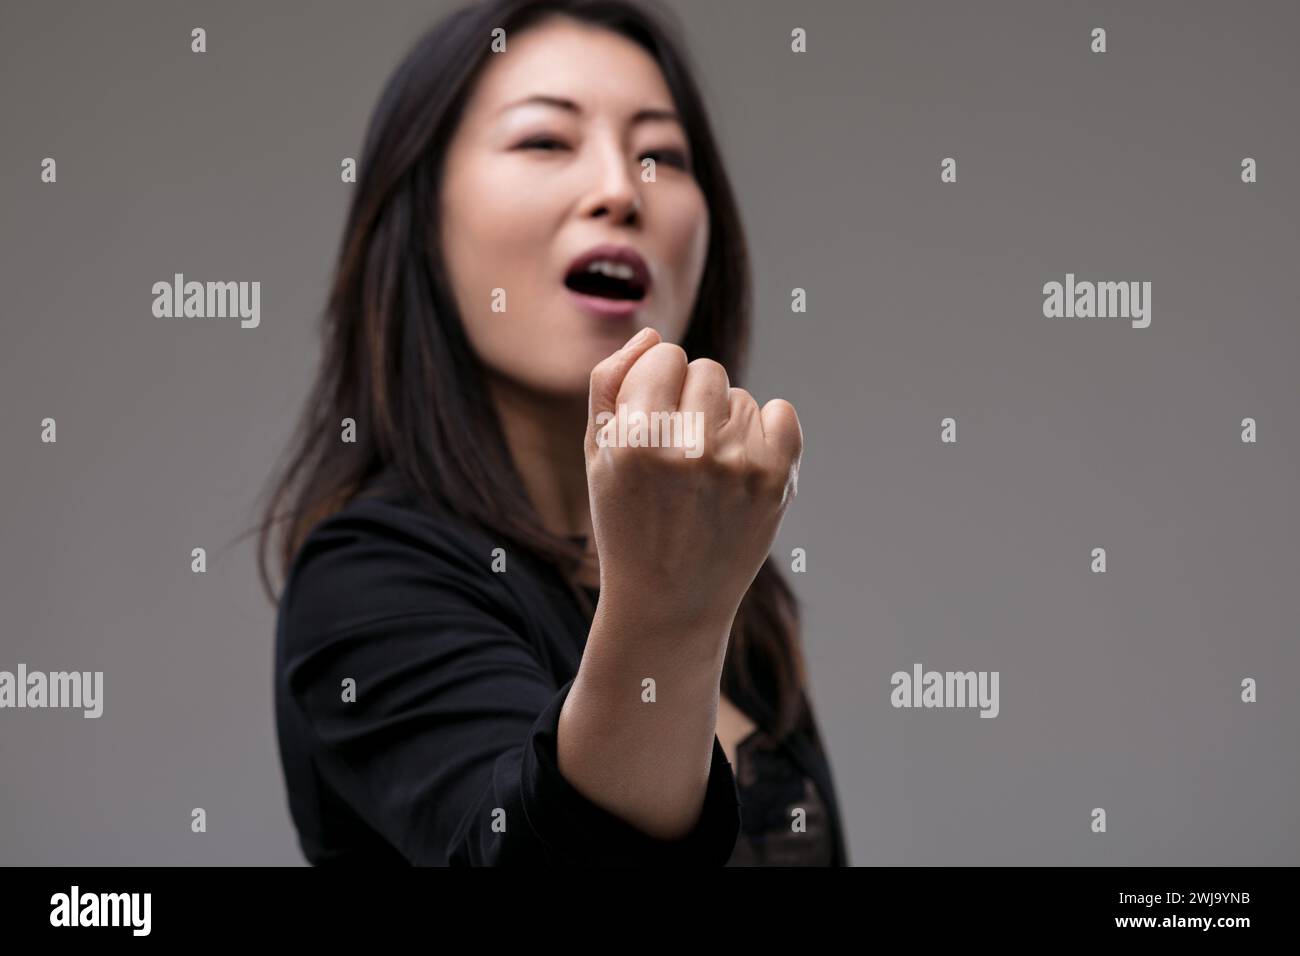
x=530, y=187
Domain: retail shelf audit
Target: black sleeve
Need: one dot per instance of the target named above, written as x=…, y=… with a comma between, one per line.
x=449, y=749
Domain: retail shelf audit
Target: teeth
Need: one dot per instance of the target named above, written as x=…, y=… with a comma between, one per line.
x=616, y=270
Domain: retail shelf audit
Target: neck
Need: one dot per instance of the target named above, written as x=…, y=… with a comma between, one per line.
x=544, y=436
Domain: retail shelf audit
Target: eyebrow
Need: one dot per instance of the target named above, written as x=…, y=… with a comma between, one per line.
x=640, y=116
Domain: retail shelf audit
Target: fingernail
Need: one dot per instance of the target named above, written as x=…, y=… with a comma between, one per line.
x=639, y=337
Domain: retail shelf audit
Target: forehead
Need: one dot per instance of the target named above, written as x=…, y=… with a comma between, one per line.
x=593, y=66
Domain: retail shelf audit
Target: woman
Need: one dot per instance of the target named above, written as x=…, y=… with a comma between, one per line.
x=509, y=632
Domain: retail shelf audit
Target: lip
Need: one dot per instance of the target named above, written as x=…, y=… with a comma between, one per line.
x=606, y=308
x=614, y=253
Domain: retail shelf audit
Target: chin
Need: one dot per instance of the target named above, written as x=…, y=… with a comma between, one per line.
x=590, y=343
x=563, y=381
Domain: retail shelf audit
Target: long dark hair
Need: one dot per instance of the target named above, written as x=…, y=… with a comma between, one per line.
x=396, y=358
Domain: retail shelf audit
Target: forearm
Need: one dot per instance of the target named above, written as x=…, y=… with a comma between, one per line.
x=646, y=762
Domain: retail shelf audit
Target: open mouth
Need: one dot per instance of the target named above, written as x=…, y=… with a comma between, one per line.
x=606, y=280
x=610, y=276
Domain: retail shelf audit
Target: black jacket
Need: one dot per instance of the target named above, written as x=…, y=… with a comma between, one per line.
x=446, y=754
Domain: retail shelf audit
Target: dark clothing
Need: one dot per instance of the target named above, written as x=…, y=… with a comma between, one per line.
x=770, y=785
x=443, y=751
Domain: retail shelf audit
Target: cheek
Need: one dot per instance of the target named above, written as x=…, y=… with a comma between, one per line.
x=492, y=230
x=497, y=229
x=688, y=236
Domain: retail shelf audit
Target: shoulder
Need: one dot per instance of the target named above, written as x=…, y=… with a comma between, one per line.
x=383, y=557
x=390, y=526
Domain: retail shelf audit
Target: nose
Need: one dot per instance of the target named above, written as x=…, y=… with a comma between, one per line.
x=617, y=192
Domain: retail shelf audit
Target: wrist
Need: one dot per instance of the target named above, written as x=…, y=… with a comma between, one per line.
x=661, y=633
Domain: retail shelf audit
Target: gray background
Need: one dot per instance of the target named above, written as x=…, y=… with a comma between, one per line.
x=1118, y=690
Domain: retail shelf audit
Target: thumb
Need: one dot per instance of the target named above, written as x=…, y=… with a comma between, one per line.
x=607, y=377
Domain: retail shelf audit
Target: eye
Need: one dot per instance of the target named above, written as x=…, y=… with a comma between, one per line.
x=541, y=142
x=674, y=157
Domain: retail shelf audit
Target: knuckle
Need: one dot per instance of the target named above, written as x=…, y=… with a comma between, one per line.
x=669, y=350
x=707, y=366
x=783, y=411
x=742, y=403
x=783, y=423
x=728, y=461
